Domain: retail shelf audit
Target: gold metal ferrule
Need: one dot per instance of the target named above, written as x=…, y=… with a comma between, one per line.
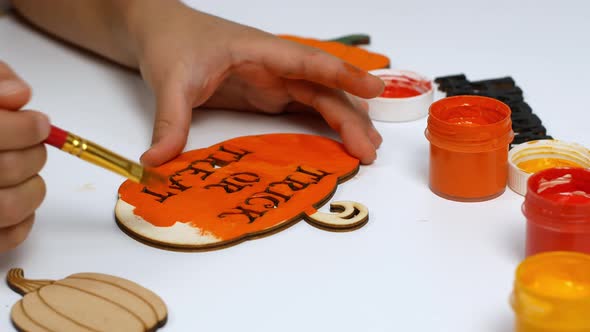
x=102, y=157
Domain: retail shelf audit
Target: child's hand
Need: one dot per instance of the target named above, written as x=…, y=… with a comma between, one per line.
x=192, y=59
x=22, y=155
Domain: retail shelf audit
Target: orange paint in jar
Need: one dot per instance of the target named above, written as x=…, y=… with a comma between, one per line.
x=469, y=139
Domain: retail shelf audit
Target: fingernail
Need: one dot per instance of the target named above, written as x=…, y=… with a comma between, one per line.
x=375, y=137
x=141, y=159
x=369, y=160
x=145, y=159
x=10, y=87
x=43, y=125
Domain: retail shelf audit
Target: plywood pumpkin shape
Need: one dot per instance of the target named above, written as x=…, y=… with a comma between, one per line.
x=84, y=302
x=346, y=51
x=239, y=189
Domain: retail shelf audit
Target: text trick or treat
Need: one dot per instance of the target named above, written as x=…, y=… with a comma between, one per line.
x=241, y=188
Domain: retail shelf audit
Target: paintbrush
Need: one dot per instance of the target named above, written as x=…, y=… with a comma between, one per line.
x=95, y=154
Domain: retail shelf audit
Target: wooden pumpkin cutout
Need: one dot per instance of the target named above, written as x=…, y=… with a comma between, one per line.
x=243, y=188
x=346, y=49
x=84, y=302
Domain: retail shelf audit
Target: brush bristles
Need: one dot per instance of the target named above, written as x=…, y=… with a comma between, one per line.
x=152, y=178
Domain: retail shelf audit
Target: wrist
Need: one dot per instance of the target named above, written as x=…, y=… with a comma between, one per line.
x=142, y=20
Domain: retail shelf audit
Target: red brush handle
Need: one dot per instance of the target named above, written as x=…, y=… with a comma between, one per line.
x=57, y=137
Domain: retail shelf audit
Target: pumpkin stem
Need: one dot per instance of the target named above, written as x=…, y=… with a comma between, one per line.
x=353, y=40
x=17, y=282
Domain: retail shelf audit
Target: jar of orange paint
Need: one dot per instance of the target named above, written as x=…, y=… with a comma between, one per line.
x=552, y=293
x=469, y=139
x=557, y=209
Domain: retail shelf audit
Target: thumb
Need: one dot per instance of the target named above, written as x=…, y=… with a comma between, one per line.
x=171, y=124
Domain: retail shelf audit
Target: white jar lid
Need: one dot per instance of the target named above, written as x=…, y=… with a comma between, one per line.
x=407, y=96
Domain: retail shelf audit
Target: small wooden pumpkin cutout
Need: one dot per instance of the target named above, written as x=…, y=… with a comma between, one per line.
x=243, y=188
x=84, y=302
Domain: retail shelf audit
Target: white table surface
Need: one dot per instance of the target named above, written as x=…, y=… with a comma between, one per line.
x=422, y=263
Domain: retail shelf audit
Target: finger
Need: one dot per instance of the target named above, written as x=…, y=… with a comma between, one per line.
x=171, y=125
x=292, y=60
x=358, y=103
x=23, y=129
x=16, y=166
x=18, y=202
x=363, y=106
x=297, y=107
x=12, y=236
x=352, y=124
x=14, y=92
x=375, y=137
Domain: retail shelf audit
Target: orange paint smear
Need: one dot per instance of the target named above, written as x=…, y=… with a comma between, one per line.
x=403, y=86
x=273, y=177
x=399, y=92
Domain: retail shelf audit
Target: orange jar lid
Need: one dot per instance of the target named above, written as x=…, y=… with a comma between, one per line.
x=469, y=124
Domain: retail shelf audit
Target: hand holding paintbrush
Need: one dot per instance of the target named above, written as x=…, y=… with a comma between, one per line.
x=240, y=69
x=22, y=157
x=102, y=157
x=23, y=154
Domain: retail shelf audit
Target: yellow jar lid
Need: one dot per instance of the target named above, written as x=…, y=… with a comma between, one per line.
x=552, y=290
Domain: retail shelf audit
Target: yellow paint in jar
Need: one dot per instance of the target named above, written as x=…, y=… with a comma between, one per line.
x=539, y=164
x=552, y=293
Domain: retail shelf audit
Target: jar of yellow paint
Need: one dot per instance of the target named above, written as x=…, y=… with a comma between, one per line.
x=552, y=293
x=531, y=157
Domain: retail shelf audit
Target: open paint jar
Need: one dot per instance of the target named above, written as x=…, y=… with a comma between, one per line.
x=552, y=293
x=469, y=139
x=406, y=96
x=528, y=158
x=557, y=209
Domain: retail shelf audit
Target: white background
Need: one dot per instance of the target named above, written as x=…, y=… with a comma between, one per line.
x=422, y=263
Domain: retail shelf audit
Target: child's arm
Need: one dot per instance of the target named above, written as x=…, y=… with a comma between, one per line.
x=97, y=25
x=22, y=155
x=192, y=59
